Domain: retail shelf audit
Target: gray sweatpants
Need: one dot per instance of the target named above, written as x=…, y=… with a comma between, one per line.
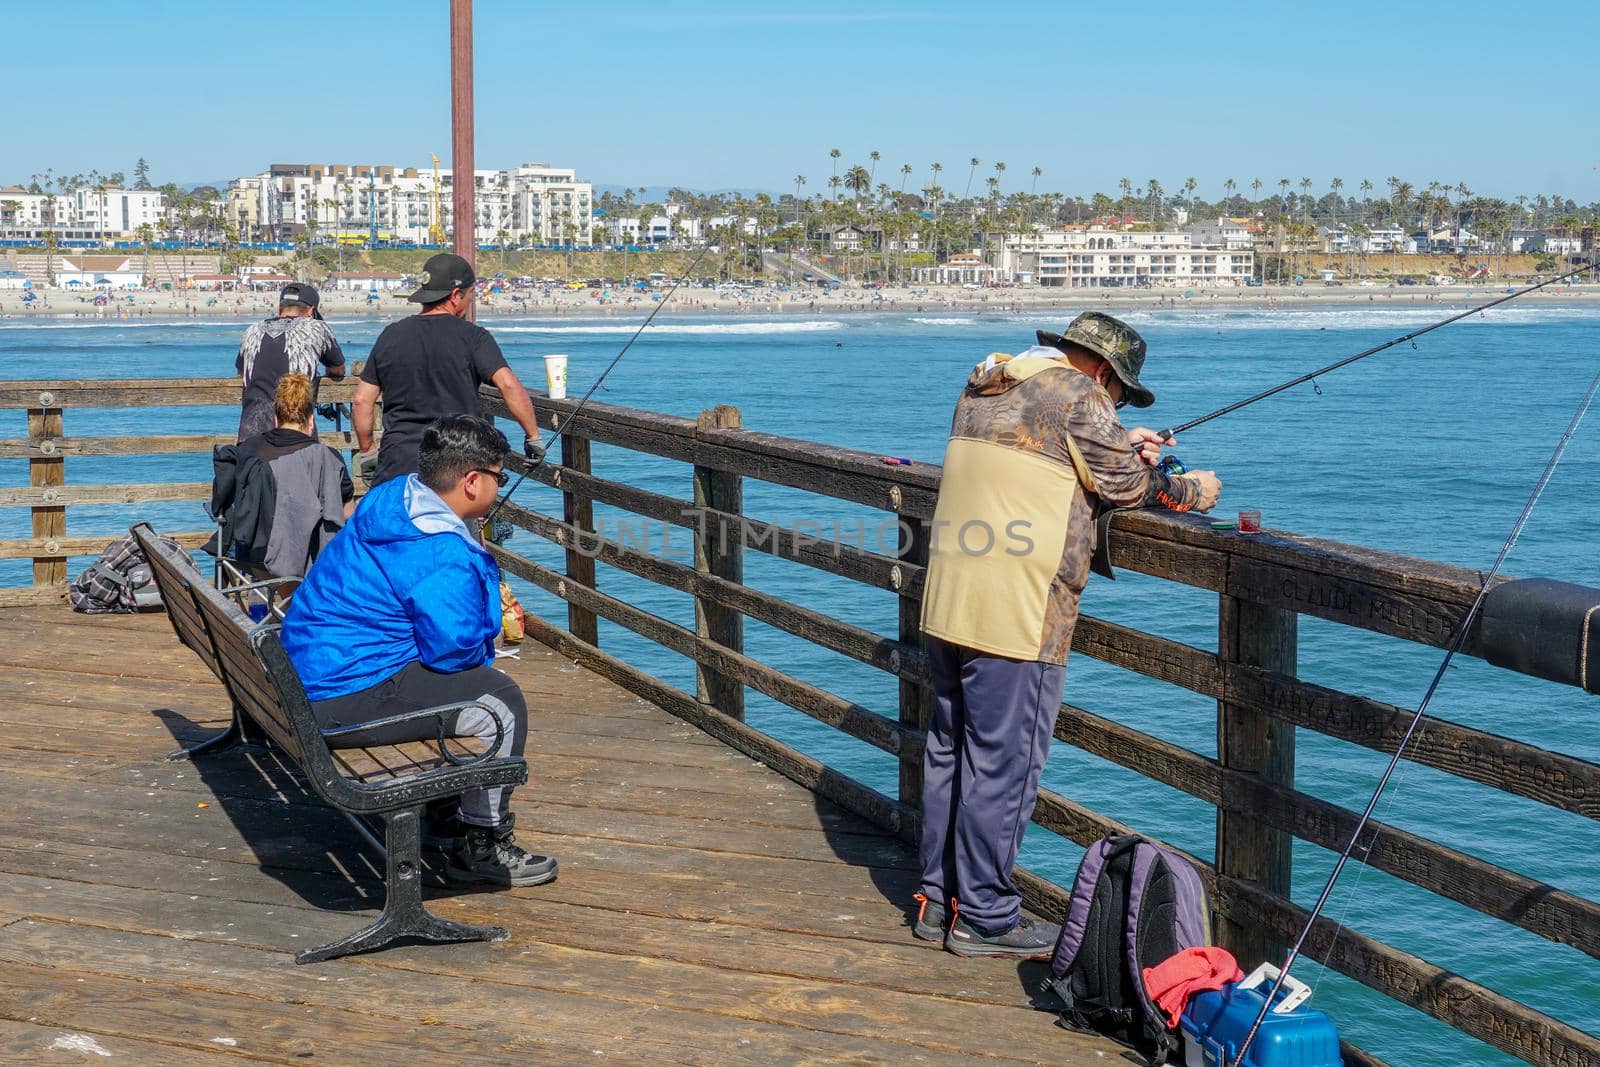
x=987, y=744
x=416, y=687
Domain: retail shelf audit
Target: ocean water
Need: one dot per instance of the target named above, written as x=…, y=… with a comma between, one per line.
x=1427, y=450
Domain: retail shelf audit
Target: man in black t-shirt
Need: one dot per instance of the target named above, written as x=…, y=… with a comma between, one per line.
x=295, y=341
x=430, y=365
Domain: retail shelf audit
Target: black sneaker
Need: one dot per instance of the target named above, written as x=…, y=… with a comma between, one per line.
x=442, y=825
x=932, y=918
x=487, y=854
x=1028, y=940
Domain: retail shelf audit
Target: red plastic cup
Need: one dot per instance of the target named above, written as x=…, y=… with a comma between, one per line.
x=1249, y=520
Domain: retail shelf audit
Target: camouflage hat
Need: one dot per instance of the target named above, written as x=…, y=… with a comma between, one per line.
x=1113, y=341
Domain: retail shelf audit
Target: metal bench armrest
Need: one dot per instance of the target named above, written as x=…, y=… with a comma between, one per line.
x=440, y=713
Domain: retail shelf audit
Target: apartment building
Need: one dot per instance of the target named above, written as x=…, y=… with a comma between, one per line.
x=87, y=213
x=1097, y=257
x=530, y=204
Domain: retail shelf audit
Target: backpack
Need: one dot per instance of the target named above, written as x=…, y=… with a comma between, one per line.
x=119, y=581
x=1134, y=904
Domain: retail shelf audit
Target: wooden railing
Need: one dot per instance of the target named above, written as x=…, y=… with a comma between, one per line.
x=48, y=446
x=1264, y=584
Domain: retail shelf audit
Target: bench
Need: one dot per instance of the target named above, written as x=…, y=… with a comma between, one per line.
x=393, y=782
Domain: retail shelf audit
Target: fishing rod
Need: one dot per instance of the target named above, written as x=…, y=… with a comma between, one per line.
x=1312, y=376
x=544, y=449
x=1456, y=642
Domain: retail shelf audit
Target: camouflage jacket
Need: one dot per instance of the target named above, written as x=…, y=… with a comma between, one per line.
x=1036, y=449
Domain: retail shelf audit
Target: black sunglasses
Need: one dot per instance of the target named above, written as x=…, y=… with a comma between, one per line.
x=502, y=476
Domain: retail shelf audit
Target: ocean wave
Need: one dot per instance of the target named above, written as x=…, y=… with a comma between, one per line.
x=944, y=321
x=682, y=328
x=1348, y=318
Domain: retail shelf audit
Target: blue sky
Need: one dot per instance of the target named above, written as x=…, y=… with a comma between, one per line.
x=717, y=94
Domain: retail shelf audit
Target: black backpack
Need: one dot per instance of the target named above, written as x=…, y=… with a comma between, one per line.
x=1134, y=904
x=119, y=581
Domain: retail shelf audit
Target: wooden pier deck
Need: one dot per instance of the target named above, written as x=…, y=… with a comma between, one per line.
x=708, y=910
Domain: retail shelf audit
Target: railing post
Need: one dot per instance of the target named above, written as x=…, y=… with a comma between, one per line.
x=49, y=521
x=915, y=697
x=578, y=511
x=719, y=551
x=1253, y=743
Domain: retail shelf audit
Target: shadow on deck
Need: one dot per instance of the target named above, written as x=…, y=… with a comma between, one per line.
x=708, y=910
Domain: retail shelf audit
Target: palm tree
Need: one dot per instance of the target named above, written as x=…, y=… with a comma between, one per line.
x=999, y=170
x=1127, y=195
x=799, y=180
x=1305, y=198
x=146, y=235
x=1189, y=186
x=1036, y=172
x=1228, y=186
x=874, y=155
x=858, y=180
x=905, y=173
x=933, y=184
x=834, y=154
x=1255, y=187
x=1153, y=192
x=501, y=238
x=973, y=162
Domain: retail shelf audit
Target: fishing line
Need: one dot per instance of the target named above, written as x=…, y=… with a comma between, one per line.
x=562, y=428
x=1167, y=435
x=1416, y=720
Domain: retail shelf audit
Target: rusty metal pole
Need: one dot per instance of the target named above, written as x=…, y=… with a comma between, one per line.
x=461, y=161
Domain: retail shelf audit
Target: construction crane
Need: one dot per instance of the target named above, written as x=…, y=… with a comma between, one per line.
x=436, y=225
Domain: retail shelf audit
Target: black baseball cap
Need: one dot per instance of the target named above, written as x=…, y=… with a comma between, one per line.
x=442, y=275
x=302, y=293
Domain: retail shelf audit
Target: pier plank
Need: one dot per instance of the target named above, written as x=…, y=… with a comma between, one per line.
x=708, y=909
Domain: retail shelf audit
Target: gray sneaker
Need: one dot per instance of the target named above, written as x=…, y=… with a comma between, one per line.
x=1028, y=940
x=932, y=919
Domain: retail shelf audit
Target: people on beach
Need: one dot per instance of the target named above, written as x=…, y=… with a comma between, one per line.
x=295, y=340
x=429, y=365
x=1036, y=452
x=401, y=613
x=282, y=495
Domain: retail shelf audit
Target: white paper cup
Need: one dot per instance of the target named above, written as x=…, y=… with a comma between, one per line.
x=555, y=376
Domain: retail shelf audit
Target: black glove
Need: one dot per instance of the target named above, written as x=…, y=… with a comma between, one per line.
x=533, y=449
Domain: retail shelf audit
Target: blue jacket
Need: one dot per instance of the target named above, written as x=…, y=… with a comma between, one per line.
x=403, y=582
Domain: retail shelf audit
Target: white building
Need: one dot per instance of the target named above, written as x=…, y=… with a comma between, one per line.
x=80, y=214
x=1100, y=258
x=367, y=280
x=530, y=204
x=98, y=272
x=963, y=268
x=1230, y=234
x=116, y=213
x=1553, y=244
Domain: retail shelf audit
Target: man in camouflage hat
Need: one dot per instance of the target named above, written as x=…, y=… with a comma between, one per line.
x=1036, y=451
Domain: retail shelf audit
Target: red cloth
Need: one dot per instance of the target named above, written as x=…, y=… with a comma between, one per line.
x=1173, y=981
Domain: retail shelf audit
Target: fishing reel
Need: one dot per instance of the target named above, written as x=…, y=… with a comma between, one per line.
x=1171, y=466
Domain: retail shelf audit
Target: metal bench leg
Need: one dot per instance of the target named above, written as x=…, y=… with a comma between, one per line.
x=403, y=913
x=238, y=735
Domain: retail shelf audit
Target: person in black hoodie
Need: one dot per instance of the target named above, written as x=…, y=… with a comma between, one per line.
x=282, y=494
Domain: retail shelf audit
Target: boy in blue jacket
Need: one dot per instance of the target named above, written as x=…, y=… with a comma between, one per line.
x=400, y=612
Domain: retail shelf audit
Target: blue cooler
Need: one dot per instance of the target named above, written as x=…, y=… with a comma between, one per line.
x=1215, y=1023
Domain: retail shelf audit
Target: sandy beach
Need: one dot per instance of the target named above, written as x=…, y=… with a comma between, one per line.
x=335, y=305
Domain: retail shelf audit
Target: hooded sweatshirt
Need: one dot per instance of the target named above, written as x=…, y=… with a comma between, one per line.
x=404, y=582
x=1035, y=451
